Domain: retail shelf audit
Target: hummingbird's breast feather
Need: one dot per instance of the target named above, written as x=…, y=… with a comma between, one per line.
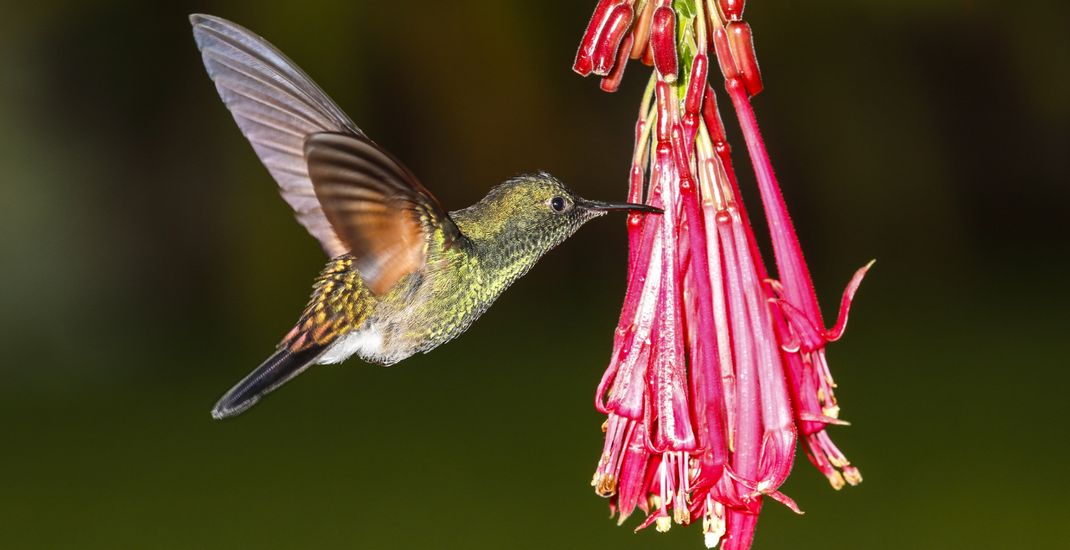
x=435, y=304
x=423, y=310
x=366, y=343
x=428, y=308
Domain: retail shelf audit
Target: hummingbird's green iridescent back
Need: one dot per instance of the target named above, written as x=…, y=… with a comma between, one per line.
x=405, y=275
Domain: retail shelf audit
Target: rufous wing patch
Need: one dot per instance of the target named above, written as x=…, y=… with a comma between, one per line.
x=376, y=206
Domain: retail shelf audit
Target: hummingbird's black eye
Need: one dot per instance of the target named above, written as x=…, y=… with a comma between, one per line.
x=558, y=204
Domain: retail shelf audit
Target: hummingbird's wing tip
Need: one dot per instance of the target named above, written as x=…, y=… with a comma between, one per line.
x=277, y=107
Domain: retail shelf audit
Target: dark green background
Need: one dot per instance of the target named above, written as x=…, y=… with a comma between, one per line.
x=148, y=263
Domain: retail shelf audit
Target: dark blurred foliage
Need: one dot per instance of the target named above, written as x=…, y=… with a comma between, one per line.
x=148, y=264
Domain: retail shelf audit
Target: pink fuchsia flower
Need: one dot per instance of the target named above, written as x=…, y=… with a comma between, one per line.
x=717, y=368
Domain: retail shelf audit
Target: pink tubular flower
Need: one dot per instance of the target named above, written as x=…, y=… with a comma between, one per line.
x=717, y=368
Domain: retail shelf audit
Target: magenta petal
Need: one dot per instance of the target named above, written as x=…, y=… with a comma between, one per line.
x=785, y=500
x=836, y=331
x=674, y=430
x=740, y=530
x=778, y=455
x=806, y=337
x=658, y=516
x=632, y=473
x=747, y=433
x=794, y=275
x=705, y=370
x=625, y=397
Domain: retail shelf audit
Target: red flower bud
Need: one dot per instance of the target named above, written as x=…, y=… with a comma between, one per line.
x=605, y=52
x=742, y=43
x=724, y=54
x=584, y=62
x=732, y=9
x=663, y=42
x=696, y=85
x=648, y=54
x=641, y=31
x=612, y=81
x=681, y=149
x=712, y=117
x=664, y=96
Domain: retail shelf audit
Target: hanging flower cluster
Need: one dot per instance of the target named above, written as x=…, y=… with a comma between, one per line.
x=717, y=367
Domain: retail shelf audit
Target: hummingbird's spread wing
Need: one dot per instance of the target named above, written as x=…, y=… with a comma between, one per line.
x=277, y=106
x=377, y=206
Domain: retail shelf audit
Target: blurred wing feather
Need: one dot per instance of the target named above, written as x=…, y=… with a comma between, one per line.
x=377, y=206
x=277, y=106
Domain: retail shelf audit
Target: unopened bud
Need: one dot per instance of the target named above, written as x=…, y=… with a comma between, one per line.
x=635, y=187
x=608, y=42
x=732, y=9
x=680, y=151
x=712, y=117
x=724, y=54
x=641, y=31
x=612, y=81
x=696, y=85
x=663, y=96
x=663, y=42
x=742, y=42
x=584, y=63
x=648, y=54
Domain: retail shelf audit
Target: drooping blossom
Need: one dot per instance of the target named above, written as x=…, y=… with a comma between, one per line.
x=717, y=367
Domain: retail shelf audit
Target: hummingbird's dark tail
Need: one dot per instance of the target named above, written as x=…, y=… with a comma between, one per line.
x=277, y=370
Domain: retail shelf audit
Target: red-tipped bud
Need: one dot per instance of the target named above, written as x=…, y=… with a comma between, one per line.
x=663, y=42
x=664, y=96
x=584, y=63
x=712, y=117
x=648, y=54
x=724, y=54
x=681, y=149
x=605, y=52
x=732, y=9
x=635, y=186
x=742, y=42
x=641, y=31
x=697, y=84
x=612, y=81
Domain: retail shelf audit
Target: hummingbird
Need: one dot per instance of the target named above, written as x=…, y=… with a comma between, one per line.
x=404, y=275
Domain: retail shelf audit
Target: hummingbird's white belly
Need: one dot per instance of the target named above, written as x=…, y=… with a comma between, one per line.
x=366, y=343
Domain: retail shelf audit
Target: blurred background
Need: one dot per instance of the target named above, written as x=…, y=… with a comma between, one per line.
x=148, y=263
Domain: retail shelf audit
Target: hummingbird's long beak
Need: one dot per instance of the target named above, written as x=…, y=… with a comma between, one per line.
x=617, y=207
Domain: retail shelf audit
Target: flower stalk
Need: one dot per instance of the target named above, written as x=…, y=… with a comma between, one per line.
x=717, y=368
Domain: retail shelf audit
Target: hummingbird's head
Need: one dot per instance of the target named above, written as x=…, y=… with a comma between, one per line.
x=536, y=212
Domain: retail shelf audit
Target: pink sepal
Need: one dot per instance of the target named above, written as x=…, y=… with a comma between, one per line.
x=834, y=333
